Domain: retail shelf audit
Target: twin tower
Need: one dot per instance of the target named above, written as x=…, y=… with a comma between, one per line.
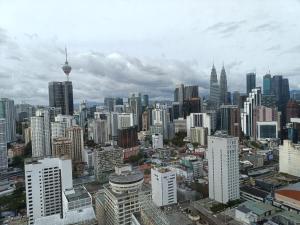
x=218, y=92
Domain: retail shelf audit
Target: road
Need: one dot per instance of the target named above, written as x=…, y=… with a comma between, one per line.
x=207, y=215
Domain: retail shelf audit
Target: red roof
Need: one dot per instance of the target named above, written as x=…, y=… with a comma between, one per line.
x=293, y=194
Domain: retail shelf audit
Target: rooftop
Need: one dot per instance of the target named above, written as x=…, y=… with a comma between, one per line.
x=254, y=191
x=256, y=207
x=76, y=193
x=126, y=177
x=291, y=191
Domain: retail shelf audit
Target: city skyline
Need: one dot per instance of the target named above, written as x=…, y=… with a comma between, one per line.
x=121, y=46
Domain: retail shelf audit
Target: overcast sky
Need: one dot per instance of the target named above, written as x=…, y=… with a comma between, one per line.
x=122, y=46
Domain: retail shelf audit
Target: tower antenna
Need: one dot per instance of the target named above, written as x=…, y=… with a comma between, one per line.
x=66, y=67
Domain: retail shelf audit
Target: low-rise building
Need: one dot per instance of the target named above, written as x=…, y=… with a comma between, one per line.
x=288, y=198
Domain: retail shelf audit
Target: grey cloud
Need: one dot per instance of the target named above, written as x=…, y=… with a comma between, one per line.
x=295, y=49
x=271, y=26
x=273, y=48
x=225, y=28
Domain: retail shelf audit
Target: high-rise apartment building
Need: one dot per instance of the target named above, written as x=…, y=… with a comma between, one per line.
x=8, y=112
x=106, y=158
x=125, y=120
x=45, y=181
x=41, y=133
x=164, y=187
x=127, y=137
x=289, y=158
x=62, y=146
x=250, y=82
x=3, y=145
x=198, y=120
x=75, y=134
x=223, y=167
x=61, y=96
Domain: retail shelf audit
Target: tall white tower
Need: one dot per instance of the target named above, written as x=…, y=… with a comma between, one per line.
x=223, y=167
x=66, y=67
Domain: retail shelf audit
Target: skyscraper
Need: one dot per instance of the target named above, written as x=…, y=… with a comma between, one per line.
x=61, y=96
x=223, y=87
x=231, y=119
x=40, y=133
x=267, y=84
x=7, y=111
x=251, y=81
x=191, y=92
x=247, y=116
x=214, y=94
x=223, y=163
x=75, y=134
x=3, y=145
x=135, y=105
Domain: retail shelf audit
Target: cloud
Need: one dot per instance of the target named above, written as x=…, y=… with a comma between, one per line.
x=294, y=50
x=270, y=26
x=94, y=74
x=225, y=28
x=274, y=48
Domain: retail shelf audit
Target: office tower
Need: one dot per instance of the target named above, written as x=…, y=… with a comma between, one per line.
x=198, y=120
x=7, y=111
x=223, y=87
x=123, y=196
x=45, y=181
x=41, y=133
x=269, y=101
x=267, y=130
x=292, y=110
x=289, y=158
x=125, y=120
x=247, y=115
x=192, y=105
x=214, y=91
x=100, y=131
x=236, y=98
x=231, y=119
x=135, y=105
x=24, y=111
x=75, y=134
x=251, y=81
x=106, y=158
x=127, y=137
x=280, y=88
x=62, y=146
x=175, y=110
x=267, y=84
x=164, y=187
x=191, y=92
x=161, y=117
x=61, y=96
x=179, y=97
x=265, y=117
x=145, y=101
x=223, y=167
x=109, y=103
x=3, y=145
x=118, y=101
x=114, y=126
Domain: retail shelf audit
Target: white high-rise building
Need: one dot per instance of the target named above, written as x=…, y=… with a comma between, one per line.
x=125, y=120
x=51, y=197
x=289, y=158
x=247, y=116
x=40, y=134
x=164, y=189
x=3, y=145
x=223, y=167
x=198, y=120
x=161, y=118
x=45, y=181
x=7, y=111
